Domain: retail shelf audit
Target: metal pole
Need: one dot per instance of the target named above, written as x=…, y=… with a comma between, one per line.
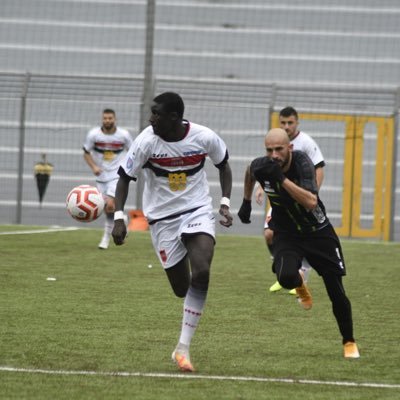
x=147, y=94
x=148, y=90
x=394, y=166
x=21, y=146
x=271, y=107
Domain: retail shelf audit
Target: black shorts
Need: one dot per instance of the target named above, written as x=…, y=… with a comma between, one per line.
x=321, y=248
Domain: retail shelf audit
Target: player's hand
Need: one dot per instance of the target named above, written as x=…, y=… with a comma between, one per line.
x=245, y=211
x=224, y=211
x=119, y=232
x=259, y=195
x=97, y=170
x=273, y=171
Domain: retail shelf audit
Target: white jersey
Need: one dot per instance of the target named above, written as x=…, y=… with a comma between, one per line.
x=174, y=177
x=107, y=150
x=304, y=142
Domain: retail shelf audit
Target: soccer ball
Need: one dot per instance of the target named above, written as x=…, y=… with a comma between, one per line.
x=85, y=203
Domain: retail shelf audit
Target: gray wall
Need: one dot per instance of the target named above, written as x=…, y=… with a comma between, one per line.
x=232, y=61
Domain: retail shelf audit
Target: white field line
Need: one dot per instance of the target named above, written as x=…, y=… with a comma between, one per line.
x=204, y=377
x=48, y=230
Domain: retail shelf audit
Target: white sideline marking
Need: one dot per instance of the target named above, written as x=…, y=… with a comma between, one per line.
x=206, y=377
x=70, y=228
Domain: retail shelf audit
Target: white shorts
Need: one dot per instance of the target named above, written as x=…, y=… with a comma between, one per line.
x=167, y=234
x=107, y=188
x=267, y=218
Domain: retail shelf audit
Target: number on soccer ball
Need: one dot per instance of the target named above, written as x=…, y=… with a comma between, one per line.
x=85, y=203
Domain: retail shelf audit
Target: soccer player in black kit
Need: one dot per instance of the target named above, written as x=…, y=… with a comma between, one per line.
x=301, y=227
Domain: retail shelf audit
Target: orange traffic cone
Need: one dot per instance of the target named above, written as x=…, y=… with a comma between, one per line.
x=138, y=221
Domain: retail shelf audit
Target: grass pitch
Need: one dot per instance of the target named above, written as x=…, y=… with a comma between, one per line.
x=108, y=312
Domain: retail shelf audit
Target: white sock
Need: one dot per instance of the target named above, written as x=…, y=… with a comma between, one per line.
x=108, y=225
x=192, y=310
x=306, y=269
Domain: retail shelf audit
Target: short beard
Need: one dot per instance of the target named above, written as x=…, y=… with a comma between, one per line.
x=285, y=163
x=108, y=129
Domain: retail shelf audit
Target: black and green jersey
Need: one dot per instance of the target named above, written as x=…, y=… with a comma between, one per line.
x=287, y=214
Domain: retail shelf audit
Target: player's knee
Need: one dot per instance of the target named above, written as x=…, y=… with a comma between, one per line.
x=287, y=270
x=180, y=291
x=201, y=278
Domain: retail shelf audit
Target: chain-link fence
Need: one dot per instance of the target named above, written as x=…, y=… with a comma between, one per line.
x=235, y=63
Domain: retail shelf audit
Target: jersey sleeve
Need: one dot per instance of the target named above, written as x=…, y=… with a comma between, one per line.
x=257, y=167
x=216, y=149
x=314, y=152
x=88, y=144
x=306, y=170
x=136, y=157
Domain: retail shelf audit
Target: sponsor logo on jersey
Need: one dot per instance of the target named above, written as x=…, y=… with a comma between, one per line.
x=192, y=152
x=319, y=214
x=129, y=163
x=166, y=162
x=268, y=188
x=194, y=225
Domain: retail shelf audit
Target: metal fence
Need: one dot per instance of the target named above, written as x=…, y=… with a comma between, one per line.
x=50, y=114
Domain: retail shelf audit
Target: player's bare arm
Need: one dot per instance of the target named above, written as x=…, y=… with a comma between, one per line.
x=249, y=183
x=319, y=176
x=225, y=178
x=121, y=194
x=259, y=195
x=304, y=197
x=93, y=166
x=245, y=209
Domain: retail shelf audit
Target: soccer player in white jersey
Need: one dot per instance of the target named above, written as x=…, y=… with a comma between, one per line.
x=289, y=121
x=171, y=153
x=104, y=149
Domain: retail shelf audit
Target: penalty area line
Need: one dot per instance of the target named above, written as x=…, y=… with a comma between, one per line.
x=32, y=231
x=204, y=377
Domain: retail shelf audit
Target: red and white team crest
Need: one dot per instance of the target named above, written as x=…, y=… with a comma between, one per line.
x=85, y=203
x=163, y=256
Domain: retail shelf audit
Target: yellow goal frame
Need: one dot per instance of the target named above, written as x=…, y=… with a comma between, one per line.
x=353, y=173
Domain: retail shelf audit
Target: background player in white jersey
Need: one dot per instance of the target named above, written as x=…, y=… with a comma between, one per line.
x=104, y=148
x=176, y=201
x=289, y=121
